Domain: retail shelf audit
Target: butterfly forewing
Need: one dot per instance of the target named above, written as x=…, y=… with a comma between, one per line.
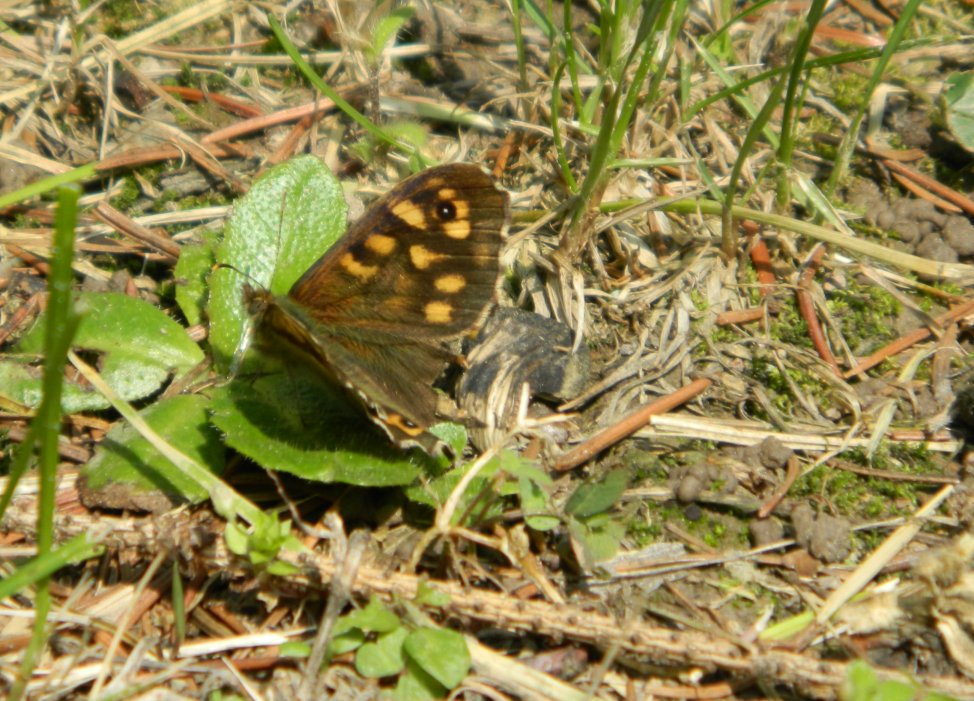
x=421, y=262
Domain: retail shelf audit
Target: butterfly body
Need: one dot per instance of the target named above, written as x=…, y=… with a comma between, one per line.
x=377, y=312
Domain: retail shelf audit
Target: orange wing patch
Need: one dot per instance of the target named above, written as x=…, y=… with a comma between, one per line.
x=451, y=283
x=438, y=312
x=381, y=244
x=422, y=257
x=411, y=213
x=356, y=269
x=458, y=229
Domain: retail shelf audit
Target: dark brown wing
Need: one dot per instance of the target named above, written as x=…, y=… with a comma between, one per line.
x=421, y=263
x=392, y=377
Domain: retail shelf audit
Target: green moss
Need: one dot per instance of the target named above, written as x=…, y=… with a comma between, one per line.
x=658, y=514
x=789, y=326
x=170, y=200
x=715, y=534
x=898, y=496
x=23, y=221
x=749, y=279
x=865, y=315
x=118, y=18
x=643, y=533
x=949, y=288
x=866, y=497
x=848, y=89
x=271, y=46
x=818, y=123
x=915, y=457
x=645, y=466
x=768, y=374
x=720, y=335
x=867, y=541
x=844, y=490
x=182, y=119
x=715, y=529
x=128, y=195
x=963, y=364
x=926, y=303
x=187, y=77
x=867, y=230
x=209, y=82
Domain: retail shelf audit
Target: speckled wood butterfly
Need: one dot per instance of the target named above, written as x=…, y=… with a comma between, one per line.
x=377, y=311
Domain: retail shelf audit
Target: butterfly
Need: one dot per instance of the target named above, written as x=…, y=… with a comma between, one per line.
x=378, y=312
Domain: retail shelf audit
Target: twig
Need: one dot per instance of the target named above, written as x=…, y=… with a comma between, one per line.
x=807, y=307
x=904, y=342
x=779, y=493
x=627, y=426
x=736, y=432
x=938, y=189
x=894, y=476
x=228, y=104
x=761, y=259
x=127, y=226
x=19, y=318
x=740, y=316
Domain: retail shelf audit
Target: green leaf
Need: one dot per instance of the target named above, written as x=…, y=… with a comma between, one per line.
x=595, y=540
x=441, y=653
x=192, y=270
x=387, y=27
x=351, y=629
x=140, y=348
x=959, y=100
x=788, y=627
x=862, y=684
x=346, y=641
x=408, y=132
x=279, y=568
x=535, y=507
x=374, y=617
x=293, y=422
x=267, y=537
x=294, y=649
x=895, y=691
x=430, y=596
x=453, y=434
x=417, y=685
x=288, y=218
x=128, y=469
x=595, y=497
x=520, y=467
x=263, y=541
x=236, y=538
x=384, y=657
x=435, y=492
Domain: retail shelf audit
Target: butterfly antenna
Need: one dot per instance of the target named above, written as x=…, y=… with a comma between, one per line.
x=246, y=339
x=238, y=271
